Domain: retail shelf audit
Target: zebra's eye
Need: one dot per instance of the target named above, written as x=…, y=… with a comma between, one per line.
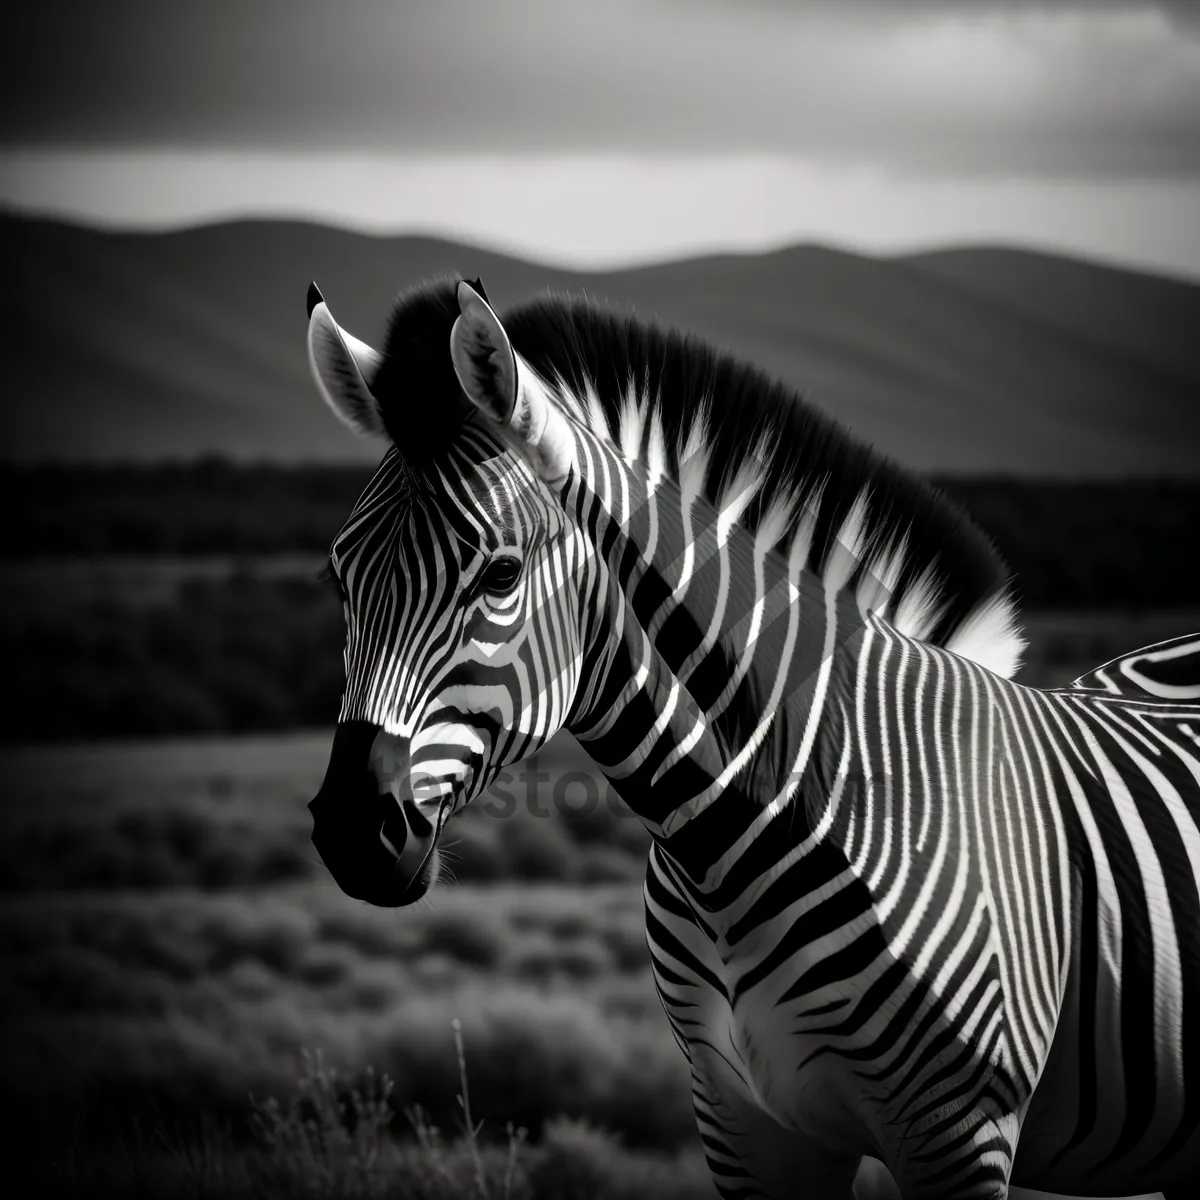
x=501, y=574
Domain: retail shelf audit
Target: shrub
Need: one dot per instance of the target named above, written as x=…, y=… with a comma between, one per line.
x=474, y=938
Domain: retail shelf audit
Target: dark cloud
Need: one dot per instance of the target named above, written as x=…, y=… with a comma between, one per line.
x=1078, y=88
x=1184, y=11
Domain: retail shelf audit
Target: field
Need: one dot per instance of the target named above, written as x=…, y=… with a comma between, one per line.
x=180, y=978
x=169, y=944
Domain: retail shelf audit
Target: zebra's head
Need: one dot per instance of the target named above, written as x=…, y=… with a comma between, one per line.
x=458, y=572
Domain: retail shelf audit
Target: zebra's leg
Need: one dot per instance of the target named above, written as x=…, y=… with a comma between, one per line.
x=753, y=1157
x=966, y=1157
x=874, y=1182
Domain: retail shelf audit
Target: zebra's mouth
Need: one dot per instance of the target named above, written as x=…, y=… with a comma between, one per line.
x=412, y=840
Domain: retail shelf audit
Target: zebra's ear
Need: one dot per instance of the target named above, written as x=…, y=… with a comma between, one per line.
x=483, y=356
x=504, y=387
x=342, y=367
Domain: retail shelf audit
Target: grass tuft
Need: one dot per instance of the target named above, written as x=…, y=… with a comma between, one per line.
x=333, y=1137
x=330, y=1139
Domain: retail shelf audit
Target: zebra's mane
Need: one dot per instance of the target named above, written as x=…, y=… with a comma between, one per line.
x=754, y=448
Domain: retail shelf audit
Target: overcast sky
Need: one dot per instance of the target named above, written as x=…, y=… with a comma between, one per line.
x=608, y=131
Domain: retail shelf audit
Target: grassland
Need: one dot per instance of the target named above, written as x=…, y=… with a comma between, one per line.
x=169, y=947
x=191, y=1008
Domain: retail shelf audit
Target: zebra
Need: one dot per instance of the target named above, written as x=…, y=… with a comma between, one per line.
x=899, y=907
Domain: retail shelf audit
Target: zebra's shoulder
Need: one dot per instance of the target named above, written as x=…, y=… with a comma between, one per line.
x=1167, y=670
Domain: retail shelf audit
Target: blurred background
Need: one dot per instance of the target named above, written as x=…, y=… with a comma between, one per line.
x=970, y=231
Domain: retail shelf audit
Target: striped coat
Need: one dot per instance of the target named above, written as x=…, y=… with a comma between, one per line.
x=898, y=905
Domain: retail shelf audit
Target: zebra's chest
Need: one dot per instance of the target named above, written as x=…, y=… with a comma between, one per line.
x=816, y=1013
x=799, y=1025
x=794, y=1072
x=721, y=1003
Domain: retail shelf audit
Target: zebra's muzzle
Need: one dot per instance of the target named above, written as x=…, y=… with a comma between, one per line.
x=371, y=834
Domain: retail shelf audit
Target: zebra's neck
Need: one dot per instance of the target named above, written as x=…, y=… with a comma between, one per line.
x=716, y=680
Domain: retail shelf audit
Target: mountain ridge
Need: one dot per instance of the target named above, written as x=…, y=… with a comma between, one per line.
x=967, y=361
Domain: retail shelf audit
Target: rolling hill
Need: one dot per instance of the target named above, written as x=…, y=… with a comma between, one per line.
x=120, y=346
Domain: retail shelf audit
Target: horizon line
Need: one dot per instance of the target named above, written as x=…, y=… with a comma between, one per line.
x=518, y=251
